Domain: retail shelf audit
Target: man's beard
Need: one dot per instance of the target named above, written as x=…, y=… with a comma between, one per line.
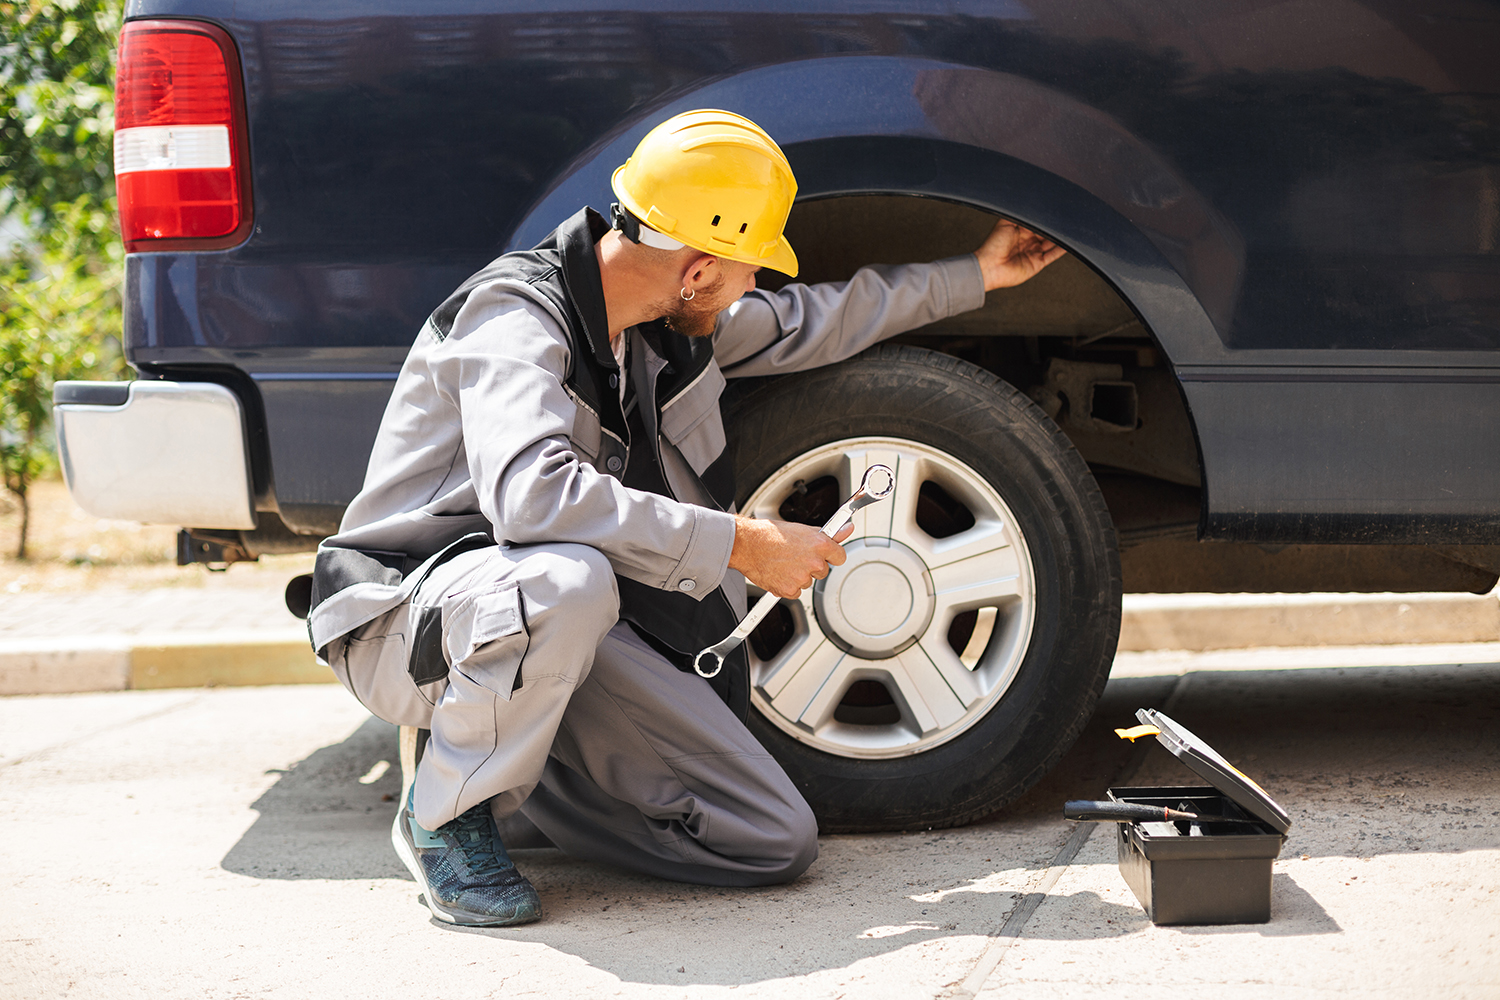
x=695, y=317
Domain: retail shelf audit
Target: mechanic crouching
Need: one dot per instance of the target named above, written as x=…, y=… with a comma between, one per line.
x=545, y=536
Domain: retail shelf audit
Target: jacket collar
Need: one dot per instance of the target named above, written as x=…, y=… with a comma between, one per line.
x=685, y=356
x=580, y=274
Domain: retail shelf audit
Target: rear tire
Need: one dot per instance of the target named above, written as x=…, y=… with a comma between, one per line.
x=998, y=551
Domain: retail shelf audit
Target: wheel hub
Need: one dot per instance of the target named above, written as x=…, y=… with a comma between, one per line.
x=879, y=602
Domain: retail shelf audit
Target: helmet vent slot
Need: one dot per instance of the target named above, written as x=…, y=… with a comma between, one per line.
x=715, y=222
x=744, y=226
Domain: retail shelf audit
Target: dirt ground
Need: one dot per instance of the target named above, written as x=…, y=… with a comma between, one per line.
x=71, y=550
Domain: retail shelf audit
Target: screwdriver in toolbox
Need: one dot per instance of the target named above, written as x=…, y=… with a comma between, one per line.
x=1135, y=812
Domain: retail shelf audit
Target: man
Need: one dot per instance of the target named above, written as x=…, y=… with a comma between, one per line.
x=544, y=538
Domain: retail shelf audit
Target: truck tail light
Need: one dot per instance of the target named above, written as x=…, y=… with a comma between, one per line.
x=181, y=168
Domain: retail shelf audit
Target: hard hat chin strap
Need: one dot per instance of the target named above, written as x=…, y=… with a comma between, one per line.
x=623, y=220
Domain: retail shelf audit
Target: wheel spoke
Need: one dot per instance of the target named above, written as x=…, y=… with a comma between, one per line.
x=874, y=520
x=818, y=711
x=901, y=509
x=961, y=682
x=989, y=534
x=796, y=681
x=984, y=580
x=927, y=695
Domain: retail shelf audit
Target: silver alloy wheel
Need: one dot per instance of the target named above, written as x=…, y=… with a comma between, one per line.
x=885, y=615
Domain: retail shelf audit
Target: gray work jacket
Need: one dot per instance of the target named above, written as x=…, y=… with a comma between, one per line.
x=482, y=432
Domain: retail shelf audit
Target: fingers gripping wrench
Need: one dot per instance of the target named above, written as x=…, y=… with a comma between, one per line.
x=878, y=483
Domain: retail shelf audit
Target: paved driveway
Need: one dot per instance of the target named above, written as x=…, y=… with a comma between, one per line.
x=233, y=843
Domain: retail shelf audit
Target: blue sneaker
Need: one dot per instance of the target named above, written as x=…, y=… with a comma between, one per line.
x=465, y=874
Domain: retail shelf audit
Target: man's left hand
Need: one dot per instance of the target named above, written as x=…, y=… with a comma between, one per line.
x=1012, y=254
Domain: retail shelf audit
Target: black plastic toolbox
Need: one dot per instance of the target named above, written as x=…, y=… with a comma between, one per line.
x=1201, y=873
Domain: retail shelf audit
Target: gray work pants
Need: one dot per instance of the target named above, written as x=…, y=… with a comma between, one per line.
x=553, y=707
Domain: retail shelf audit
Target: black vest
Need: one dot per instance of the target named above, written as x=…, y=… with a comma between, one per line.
x=564, y=270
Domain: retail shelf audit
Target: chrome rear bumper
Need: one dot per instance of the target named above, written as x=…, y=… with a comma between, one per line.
x=157, y=452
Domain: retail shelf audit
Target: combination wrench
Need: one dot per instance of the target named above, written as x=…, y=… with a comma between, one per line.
x=878, y=483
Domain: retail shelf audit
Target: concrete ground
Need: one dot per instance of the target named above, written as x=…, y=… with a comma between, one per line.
x=216, y=843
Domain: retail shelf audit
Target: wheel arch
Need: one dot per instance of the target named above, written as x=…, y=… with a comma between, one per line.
x=996, y=141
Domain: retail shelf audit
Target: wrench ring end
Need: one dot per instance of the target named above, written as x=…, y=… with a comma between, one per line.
x=879, y=482
x=713, y=658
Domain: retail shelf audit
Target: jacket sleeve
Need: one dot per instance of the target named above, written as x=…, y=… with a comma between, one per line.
x=805, y=326
x=503, y=368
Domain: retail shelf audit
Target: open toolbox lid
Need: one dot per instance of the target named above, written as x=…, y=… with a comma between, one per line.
x=1214, y=769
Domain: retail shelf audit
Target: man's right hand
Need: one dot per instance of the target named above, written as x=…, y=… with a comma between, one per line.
x=782, y=557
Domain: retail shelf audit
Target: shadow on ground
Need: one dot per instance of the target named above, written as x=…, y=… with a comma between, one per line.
x=1367, y=760
x=318, y=821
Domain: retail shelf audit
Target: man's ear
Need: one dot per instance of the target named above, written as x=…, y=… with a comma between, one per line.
x=700, y=271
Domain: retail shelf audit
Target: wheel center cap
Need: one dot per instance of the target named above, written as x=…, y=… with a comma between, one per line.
x=879, y=602
x=875, y=598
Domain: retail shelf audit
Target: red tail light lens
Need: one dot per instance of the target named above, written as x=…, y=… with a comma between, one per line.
x=179, y=137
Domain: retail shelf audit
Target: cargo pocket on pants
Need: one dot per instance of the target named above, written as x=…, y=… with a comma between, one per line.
x=485, y=637
x=373, y=668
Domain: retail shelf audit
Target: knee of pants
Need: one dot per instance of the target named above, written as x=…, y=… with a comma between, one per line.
x=576, y=580
x=792, y=843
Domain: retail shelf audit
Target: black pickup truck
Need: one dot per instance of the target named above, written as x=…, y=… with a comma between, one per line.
x=1271, y=361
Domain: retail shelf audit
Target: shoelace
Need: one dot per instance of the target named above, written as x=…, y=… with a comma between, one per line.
x=479, y=844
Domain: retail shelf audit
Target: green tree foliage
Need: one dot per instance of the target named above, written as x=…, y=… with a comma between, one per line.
x=59, y=284
x=57, y=107
x=59, y=308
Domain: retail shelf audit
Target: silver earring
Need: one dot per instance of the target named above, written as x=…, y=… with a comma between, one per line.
x=685, y=295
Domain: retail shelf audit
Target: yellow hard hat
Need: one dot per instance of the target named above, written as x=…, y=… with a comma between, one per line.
x=716, y=182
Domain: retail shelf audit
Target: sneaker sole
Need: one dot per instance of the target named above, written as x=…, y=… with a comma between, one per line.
x=409, y=859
